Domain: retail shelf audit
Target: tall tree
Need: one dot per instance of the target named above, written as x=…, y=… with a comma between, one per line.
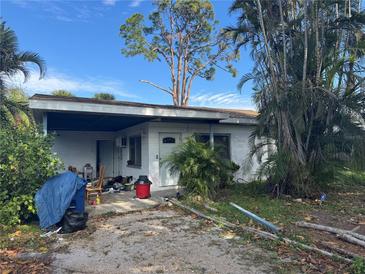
x=309, y=83
x=104, y=96
x=184, y=35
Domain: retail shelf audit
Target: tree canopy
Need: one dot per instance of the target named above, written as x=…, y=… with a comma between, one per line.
x=14, y=110
x=184, y=35
x=309, y=83
x=62, y=92
x=104, y=96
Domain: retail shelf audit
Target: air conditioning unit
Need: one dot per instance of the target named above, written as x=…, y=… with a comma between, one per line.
x=121, y=141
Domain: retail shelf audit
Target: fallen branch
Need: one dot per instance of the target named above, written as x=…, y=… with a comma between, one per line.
x=351, y=239
x=202, y=215
x=210, y=208
x=32, y=256
x=340, y=250
x=262, y=234
x=331, y=229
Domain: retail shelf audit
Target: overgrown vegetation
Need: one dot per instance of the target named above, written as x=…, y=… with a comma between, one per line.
x=26, y=161
x=26, y=158
x=26, y=237
x=14, y=109
x=358, y=267
x=308, y=78
x=343, y=206
x=202, y=171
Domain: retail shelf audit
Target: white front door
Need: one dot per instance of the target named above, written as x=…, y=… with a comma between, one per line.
x=168, y=143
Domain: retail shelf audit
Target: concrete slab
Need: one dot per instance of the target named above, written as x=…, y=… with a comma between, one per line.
x=158, y=241
x=125, y=201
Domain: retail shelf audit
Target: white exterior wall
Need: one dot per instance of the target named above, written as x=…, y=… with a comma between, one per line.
x=77, y=148
x=239, y=135
x=125, y=170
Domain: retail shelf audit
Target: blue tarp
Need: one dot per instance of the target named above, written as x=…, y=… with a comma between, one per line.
x=54, y=197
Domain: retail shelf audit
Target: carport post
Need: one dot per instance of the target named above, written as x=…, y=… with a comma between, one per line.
x=45, y=123
x=211, y=136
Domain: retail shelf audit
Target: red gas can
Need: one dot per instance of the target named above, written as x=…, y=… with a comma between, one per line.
x=143, y=187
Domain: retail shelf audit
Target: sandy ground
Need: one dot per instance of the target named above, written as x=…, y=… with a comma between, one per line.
x=157, y=241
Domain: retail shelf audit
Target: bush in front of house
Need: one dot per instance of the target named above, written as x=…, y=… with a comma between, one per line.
x=26, y=161
x=202, y=171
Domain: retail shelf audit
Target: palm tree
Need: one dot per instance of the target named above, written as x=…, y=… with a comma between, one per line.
x=308, y=77
x=14, y=108
x=12, y=61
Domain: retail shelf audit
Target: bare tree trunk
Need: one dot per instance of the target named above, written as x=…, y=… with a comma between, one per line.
x=349, y=8
x=331, y=229
x=184, y=77
x=179, y=67
x=318, y=45
x=304, y=78
x=268, y=52
x=340, y=250
x=172, y=56
x=359, y=8
x=284, y=40
x=187, y=97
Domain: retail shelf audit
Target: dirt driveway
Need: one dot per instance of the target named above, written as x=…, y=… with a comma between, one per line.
x=157, y=241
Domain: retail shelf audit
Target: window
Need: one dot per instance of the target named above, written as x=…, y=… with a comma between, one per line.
x=135, y=151
x=221, y=143
x=168, y=140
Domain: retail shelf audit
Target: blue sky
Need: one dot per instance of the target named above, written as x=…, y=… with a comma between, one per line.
x=80, y=43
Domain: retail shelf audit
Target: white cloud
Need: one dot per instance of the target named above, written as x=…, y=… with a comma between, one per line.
x=135, y=3
x=79, y=86
x=232, y=100
x=109, y=2
x=65, y=11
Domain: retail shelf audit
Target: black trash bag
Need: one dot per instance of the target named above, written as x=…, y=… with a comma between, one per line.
x=73, y=221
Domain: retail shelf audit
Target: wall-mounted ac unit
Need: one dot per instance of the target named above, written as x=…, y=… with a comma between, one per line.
x=121, y=141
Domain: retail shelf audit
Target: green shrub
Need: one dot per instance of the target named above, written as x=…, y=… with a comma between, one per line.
x=26, y=161
x=358, y=266
x=202, y=171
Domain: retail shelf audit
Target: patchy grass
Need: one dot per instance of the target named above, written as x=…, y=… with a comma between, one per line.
x=252, y=198
x=23, y=238
x=344, y=208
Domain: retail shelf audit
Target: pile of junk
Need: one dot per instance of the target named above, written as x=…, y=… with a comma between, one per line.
x=119, y=183
x=60, y=203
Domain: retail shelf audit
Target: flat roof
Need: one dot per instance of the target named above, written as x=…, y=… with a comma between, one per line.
x=52, y=103
x=73, y=113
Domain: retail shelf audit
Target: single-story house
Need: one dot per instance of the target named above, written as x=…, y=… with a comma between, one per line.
x=130, y=139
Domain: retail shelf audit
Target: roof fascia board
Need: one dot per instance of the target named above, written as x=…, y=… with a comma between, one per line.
x=239, y=121
x=50, y=105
